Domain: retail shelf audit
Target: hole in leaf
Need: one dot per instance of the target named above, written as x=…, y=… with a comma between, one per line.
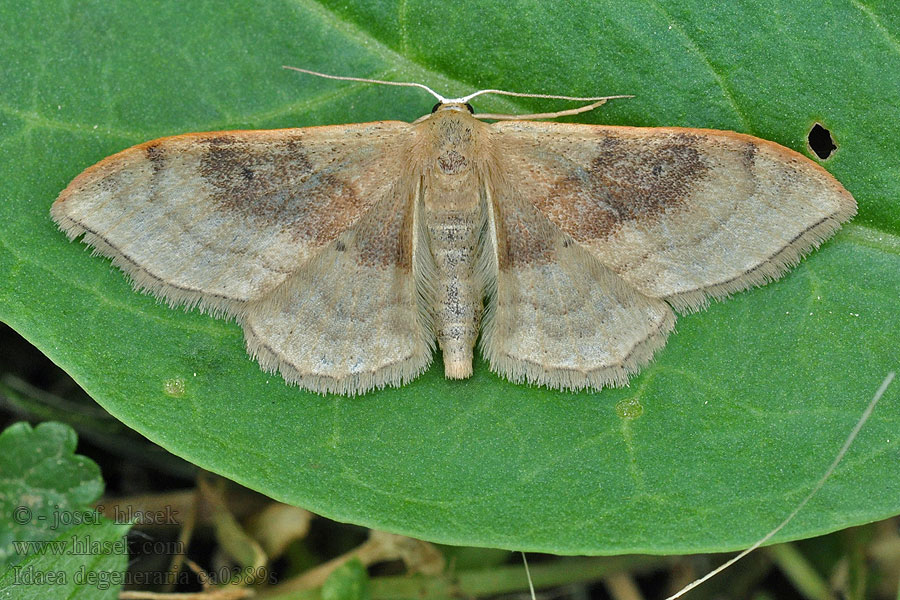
x=821, y=142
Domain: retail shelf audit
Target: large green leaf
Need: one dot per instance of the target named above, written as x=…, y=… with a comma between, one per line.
x=727, y=429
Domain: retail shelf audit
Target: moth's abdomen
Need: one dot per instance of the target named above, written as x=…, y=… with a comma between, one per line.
x=453, y=238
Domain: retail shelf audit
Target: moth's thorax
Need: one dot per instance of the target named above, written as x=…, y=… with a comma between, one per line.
x=452, y=142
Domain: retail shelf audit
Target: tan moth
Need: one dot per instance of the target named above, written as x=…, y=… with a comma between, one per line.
x=347, y=252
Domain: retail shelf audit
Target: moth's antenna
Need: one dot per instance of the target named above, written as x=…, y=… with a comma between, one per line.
x=594, y=100
x=837, y=459
x=549, y=115
x=440, y=98
x=465, y=99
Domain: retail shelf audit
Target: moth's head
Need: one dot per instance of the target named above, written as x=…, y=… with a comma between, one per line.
x=454, y=106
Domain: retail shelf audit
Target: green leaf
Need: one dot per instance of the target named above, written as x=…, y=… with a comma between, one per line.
x=350, y=581
x=708, y=448
x=52, y=542
x=86, y=562
x=45, y=488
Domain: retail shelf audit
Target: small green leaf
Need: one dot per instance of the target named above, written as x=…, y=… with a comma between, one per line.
x=86, y=562
x=710, y=446
x=45, y=488
x=52, y=543
x=350, y=581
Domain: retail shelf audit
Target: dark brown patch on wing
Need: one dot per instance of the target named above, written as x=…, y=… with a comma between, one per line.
x=749, y=155
x=628, y=180
x=750, y=150
x=221, y=140
x=275, y=182
x=523, y=237
x=254, y=178
x=156, y=155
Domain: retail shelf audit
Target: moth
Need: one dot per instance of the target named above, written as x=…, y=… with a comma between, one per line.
x=348, y=252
